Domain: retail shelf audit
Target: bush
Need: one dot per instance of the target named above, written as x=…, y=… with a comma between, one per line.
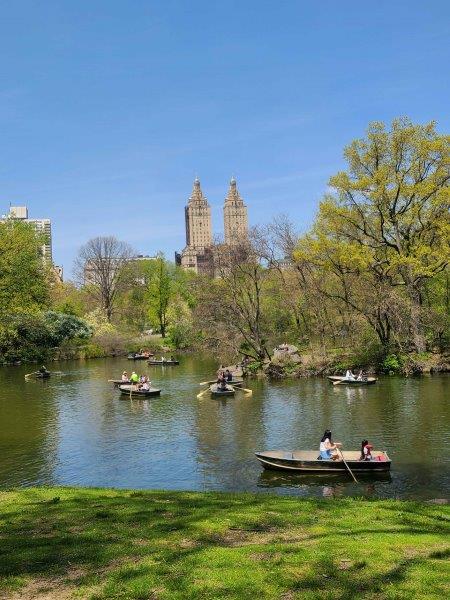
x=391, y=364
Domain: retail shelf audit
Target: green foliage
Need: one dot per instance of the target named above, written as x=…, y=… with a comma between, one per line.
x=391, y=364
x=24, y=283
x=62, y=327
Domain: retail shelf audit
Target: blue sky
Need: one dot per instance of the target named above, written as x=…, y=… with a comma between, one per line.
x=108, y=109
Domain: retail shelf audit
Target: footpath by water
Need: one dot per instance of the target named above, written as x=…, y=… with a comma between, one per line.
x=77, y=430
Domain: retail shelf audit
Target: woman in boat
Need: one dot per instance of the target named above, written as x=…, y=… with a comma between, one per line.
x=134, y=378
x=145, y=386
x=228, y=375
x=124, y=376
x=349, y=375
x=366, y=450
x=327, y=447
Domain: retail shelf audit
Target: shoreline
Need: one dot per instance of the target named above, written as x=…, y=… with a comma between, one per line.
x=66, y=542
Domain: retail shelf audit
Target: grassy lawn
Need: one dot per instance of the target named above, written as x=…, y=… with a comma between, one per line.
x=58, y=543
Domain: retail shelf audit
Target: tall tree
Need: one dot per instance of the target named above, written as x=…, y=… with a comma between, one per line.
x=240, y=301
x=101, y=267
x=388, y=224
x=160, y=292
x=24, y=280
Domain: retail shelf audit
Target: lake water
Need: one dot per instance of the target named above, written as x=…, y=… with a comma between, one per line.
x=76, y=429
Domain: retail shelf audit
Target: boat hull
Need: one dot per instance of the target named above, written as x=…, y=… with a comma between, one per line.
x=163, y=363
x=139, y=356
x=343, y=381
x=216, y=392
x=309, y=463
x=135, y=393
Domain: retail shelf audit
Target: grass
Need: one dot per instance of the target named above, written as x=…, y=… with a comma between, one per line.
x=102, y=544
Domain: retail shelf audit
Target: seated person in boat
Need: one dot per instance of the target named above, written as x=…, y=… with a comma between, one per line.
x=134, y=378
x=361, y=376
x=143, y=378
x=146, y=386
x=327, y=447
x=43, y=370
x=163, y=359
x=366, y=451
x=124, y=376
x=228, y=375
x=222, y=384
x=349, y=375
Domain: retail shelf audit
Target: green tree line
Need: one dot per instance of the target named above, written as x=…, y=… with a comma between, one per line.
x=368, y=283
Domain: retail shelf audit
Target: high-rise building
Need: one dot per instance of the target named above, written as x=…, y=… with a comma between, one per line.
x=235, y=221
x=42, y=226
x=197, y=254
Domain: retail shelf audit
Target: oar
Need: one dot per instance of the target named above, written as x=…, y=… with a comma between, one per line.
x=338, y=382
x=247, y=391
x=345, y=463
x=202, y=393
x=30, y=374
x=203, y=383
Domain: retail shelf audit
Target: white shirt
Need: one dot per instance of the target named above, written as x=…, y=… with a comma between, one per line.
x=323, y=447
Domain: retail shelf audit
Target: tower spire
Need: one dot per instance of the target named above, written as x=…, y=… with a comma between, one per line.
x=234, y=215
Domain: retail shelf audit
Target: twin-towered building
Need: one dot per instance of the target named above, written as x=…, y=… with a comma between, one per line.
x=197, y=254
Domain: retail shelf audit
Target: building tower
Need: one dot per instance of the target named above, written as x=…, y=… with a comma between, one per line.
x=197, y=254
x=198, y=219
x=234, y=216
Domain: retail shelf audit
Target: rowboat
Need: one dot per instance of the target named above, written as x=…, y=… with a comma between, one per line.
x=308, y=461
x=132, y=390
x=137, y=356
x=163, y=363
x=217, y=392
x=343, y=381
x=39, y=375
x=233, y=382
x=118, y=382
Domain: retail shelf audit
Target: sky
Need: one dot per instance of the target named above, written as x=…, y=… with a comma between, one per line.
x=109, y=109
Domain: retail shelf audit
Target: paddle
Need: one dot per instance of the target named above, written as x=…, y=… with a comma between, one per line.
x=338, y=382
x=30, y=374
x=203, y=383
x=247, y=391
x=345, y=463
x=202, y=393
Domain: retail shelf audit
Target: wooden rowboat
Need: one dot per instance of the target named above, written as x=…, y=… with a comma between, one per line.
x=233, y=382
x=138, y=393
x=137, y=356
x=119, y=382
x=343, y=381
x=308, y=461
x=217, y=392
x=163, y=363
x=39, y=375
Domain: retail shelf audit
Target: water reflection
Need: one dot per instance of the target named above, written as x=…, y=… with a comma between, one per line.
x=78, y=430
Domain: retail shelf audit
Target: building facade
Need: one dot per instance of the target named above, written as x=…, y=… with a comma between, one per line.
x=42, y=226
x=198, y=253
x=235, y=221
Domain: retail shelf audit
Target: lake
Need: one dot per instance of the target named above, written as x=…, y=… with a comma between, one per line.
x=75, y=429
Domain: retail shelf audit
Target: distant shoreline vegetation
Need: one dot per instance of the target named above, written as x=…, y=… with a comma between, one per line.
x=366, y=287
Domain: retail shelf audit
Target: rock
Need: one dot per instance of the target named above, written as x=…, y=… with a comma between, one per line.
x=286, y=353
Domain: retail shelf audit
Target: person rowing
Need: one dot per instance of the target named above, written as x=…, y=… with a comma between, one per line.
x=124, y=376
x=328, y=448
x=349, y=375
